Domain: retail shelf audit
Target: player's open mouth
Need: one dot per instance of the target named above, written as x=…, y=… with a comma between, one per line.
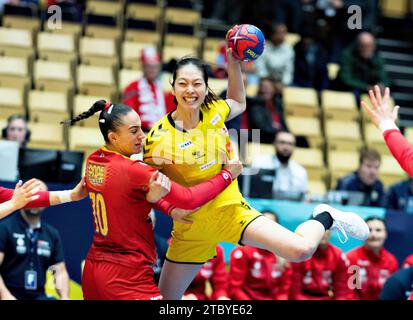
x=190, y=99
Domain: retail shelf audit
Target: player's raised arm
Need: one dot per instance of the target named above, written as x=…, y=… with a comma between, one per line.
x=384, y=117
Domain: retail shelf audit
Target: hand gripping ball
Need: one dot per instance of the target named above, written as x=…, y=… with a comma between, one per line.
x=246, y=41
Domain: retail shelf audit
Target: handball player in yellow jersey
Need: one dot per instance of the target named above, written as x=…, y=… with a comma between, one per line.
x=189, y=145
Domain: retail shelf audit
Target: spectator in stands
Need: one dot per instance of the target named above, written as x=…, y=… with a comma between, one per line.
x=289, y=175
x=361, y=67
x=258, y=274
x=323, y=276
x=214, y=272
x=17, y=130
x=277, y=61
x=28, y=248
x=375, y=264
x=400, y=196
x=310, y=65
x=266, y=110
x=146, y=95
x=399, y=286
x=70, y=8
x=408, y=262
x=366, y=179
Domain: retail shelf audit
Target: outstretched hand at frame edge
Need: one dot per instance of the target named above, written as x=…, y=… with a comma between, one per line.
x=380, y=109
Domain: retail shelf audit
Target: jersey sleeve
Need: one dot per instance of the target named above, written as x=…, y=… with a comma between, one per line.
x=43, y=200
x=156, y=152
x=400, y=148
x=140, y=174
x=222, y=107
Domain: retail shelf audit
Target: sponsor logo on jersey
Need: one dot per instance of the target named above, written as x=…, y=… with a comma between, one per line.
x=185, y=145
x=215, y=119
x=96, y=174
x=207, y=165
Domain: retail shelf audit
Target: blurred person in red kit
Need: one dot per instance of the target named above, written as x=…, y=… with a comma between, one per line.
x=146, y=95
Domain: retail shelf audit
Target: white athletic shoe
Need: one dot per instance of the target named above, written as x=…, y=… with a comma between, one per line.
x=345, y=222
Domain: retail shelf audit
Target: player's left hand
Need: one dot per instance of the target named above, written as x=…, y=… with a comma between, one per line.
x=380, y=109
x=79, y=192
x=179, y=215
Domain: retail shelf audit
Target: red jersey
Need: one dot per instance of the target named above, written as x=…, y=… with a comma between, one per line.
x=117, y=187
x=408, y=262
x=257, y=274
x=322, y=277
x=373, y=273
x=214, y=272
x=148, y=100
x=42, y=201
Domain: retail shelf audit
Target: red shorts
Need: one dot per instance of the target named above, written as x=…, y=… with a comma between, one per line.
x=103, y=280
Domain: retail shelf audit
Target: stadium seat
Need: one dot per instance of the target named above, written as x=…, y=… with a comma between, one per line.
x=292, y=38
x=166, y=78
x=300, y=102
x=12, y=101
x=144, y=11
x=96, y=81
x=317, y=187
x=374, y=139
x=14, y=72
x=172, y=52
x=131, y=53
x=343, y=135
x=72, y=28
x=16, y=43
x=46, y=136
x=394, y=8
x=48, y=106
x=21, y=20
x=333, y=69
x=408, y=133
x=339, y=105
x=99, y=52
x=82, y=103
x=312, y=160
x=145, y=36
x=126, y=77
x=182, y=20
x=256, y=148
x=57, y=47
x=111, y=9
x=341, y=163
x=307, y=127
x=390, y=171
x=210, y=51
x=85, y=139
x=54, y=76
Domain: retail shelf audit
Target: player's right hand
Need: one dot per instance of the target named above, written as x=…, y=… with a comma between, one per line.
x=179, y=215
x=234, y=166
x=159, y=186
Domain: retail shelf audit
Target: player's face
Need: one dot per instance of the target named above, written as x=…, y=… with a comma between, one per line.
x=377, y=235
x=17, y=131
x=369, y=171
x=128, y=138
x=189, y=89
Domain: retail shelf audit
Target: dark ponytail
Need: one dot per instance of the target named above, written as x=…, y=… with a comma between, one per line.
x=211, y=96
x=109, y=118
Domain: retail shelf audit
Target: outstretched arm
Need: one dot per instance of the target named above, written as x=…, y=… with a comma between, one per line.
x=384, y=117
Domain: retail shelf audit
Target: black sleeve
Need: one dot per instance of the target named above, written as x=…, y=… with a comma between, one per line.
x=393, y=290
x=3, y=237
x=57, y=254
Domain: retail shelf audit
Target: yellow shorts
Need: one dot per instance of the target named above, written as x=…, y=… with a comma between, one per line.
x=196, y=242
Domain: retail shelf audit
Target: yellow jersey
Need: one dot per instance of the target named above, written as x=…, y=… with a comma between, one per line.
x=196, y=155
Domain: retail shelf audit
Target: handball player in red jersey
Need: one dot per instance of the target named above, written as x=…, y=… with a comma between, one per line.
x=122, y=193
x=27, y=195
x=384, y=117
